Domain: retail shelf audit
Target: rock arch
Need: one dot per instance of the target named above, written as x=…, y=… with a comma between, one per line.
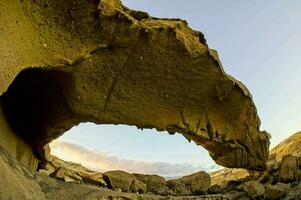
x=104, y=63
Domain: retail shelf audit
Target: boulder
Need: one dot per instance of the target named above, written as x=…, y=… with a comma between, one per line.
x=138, y=187
x=177, y=188
x=231, y=185
x=272, y=163
x=65, y=175
x=108, y=64
x=18, y=183
x=215, y=189
x=119, y=179
x=72, y=172
x=223, y=176
x=278, y=191
x=124, y=181
x=254, y=189
x=154, y=183
x=288, y=170
x=294, y=193
x=197, y=183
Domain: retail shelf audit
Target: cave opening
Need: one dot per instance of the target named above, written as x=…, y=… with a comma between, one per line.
x=121, y=147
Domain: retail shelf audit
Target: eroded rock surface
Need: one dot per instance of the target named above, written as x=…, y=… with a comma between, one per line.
x=281, y=180
x=124, y=181
x=17, y=183
x=154, y=183
x=66, y=62
x=71, y=172
x=290, y=146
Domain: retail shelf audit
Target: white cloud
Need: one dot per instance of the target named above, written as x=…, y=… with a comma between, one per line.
x=103, y=161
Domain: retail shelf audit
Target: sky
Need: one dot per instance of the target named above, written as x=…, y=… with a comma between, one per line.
x=259, y=43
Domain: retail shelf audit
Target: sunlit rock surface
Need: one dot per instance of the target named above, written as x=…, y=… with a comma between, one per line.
x=290, y=146
x=66, y=62
x=17, y=182
x=281, y=180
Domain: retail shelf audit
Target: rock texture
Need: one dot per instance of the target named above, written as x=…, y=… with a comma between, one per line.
x=17, y=183
x=289, y=168
x=154, y=183
x=66, y=62
x=254, y=189
x=197, y=183
x=281, y=180
x=124, y=181
x=71, y=172
x=194, y=184
x=15, y=146
x=290, y=146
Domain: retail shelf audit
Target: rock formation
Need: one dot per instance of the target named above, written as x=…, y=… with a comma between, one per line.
x=17, y=183
x=71, y=172
x=281, y=180
x=290, y=146
x=66, y=62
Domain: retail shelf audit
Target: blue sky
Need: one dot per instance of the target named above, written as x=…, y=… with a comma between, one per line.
x=259, y=43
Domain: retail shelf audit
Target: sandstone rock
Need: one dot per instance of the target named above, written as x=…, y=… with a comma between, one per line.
x=66, y=175
x=278, y=191
x=124, y=181
x=138, y=187
x=254, y=189
x=231, y=185
x=288, y=170
x=154, y=183
x=272, y=163
x=290, y=146
x=71, y=172
x=15, y=146
x=223, y=176
x=215, y=189
x=294, y=193
x=18, y=183
x=108, y=64
x=58, y=173
x=197, y=183
x=177, y=188
x=119, y=179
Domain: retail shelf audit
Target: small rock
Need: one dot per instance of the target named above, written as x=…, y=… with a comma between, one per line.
x=119, y=179
x=254, y=189
x=197, y=183
x=177, y=188
x=138, y=187
x=278, y=191
x=59, y=173
x=288, y=170
x=231, y=185
x=154, y=183
x=294, y=193
x=272, y=163
x=215, y=189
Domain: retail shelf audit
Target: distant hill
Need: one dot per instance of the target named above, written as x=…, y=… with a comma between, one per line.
x=291, y=145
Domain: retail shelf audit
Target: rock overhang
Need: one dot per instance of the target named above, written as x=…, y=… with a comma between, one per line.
x=102, y=62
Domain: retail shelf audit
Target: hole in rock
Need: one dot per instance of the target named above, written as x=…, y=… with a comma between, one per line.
x=120, y=147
